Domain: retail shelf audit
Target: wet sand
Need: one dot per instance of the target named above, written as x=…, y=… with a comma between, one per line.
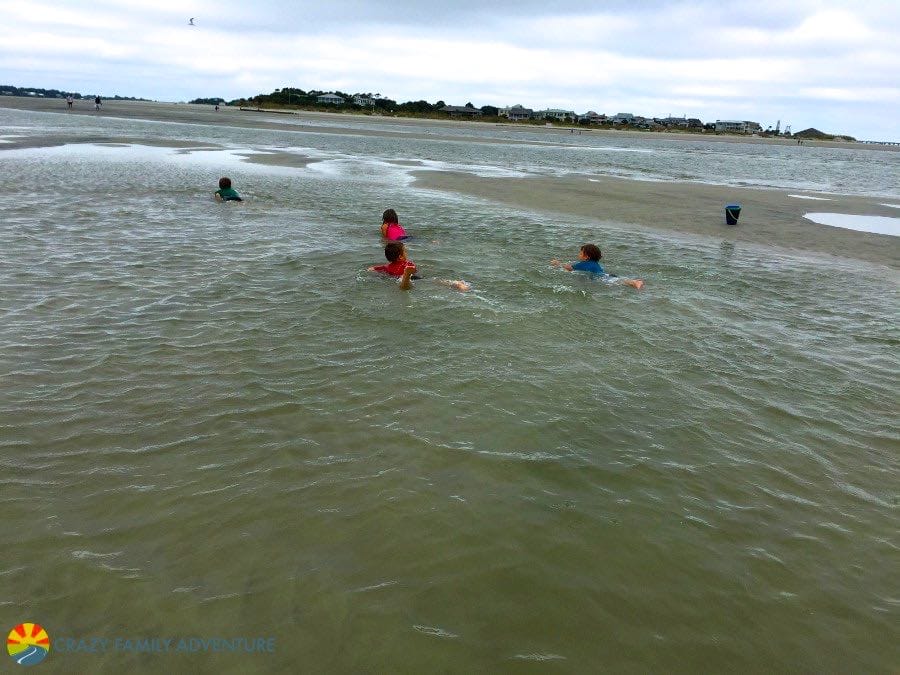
x=769, y=217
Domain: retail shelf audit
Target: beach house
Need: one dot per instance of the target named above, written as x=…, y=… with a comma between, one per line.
x=516, y=113
x=555, y=114
x=330, y=99
x=461, y=111
x=591, y=117
x=672, y=121
x=735, y=126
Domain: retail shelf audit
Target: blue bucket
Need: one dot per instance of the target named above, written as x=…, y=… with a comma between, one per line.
x=732, y=213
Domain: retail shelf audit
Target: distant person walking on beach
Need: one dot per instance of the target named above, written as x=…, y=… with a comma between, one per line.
x=589, y=261
x=69, y=101
x=97, y=102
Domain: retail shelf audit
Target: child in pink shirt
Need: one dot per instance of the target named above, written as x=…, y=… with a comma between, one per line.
x=390, y=227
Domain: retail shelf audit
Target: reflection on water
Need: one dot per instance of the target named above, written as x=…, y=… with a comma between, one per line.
x=727, y=249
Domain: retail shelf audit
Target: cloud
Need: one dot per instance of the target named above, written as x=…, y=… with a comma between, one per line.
x=731, y=58
x=857, y=95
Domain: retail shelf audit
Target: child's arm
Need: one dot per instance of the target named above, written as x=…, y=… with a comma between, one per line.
x=384, y=229
x=557, y=263
x=405, y=281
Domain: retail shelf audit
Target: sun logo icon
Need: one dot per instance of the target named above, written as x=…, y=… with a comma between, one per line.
x=28, y=644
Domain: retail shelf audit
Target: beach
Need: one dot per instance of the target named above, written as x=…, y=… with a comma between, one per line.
x=768, y=218
x=218, y=428
x=256, y=118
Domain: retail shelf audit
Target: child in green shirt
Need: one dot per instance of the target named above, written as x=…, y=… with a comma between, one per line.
x=226, y=193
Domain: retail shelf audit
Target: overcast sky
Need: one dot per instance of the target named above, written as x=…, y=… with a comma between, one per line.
x=829, y=64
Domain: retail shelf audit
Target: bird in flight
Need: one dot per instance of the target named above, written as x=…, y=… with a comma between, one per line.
x=191, y=22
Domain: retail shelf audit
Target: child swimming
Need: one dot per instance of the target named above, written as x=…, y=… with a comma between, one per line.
x=399, y=266
x=226, y=193
x=390, y=226
x=589, y=261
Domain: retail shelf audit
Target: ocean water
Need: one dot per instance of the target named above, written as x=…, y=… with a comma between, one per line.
x=214, y=423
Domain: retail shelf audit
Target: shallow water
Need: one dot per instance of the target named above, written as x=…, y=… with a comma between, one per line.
x=215, y=423
x=877, y=224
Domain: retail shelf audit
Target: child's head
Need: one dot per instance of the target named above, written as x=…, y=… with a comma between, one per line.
x=591, y=252
x=389, y=216
x=224, y=183
x=394, y=251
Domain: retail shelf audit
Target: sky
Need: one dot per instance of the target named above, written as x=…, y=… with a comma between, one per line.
x=829, y=64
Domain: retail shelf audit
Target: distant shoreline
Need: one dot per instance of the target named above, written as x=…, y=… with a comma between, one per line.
x=191, y=113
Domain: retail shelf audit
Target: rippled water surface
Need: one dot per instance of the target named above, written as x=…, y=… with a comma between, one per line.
x=215, y=423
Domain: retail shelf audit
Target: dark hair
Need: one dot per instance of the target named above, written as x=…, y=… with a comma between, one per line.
x=592, y=251
x=390, y=216
x=224, y=183
x=393, y=250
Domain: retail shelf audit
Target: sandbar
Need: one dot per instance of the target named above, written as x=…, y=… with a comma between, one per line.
x=768, y=217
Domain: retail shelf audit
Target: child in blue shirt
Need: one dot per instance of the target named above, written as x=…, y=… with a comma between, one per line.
x=589, y=261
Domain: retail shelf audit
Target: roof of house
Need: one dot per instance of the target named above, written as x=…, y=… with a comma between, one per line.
x=460, y=109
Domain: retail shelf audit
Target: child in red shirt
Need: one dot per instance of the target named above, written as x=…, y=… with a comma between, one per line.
x=399, y=266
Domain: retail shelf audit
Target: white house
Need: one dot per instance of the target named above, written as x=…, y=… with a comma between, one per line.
x=330, y=99
x=555, y=113
x=741, y=127
x=365, y=101
x=623, y=118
